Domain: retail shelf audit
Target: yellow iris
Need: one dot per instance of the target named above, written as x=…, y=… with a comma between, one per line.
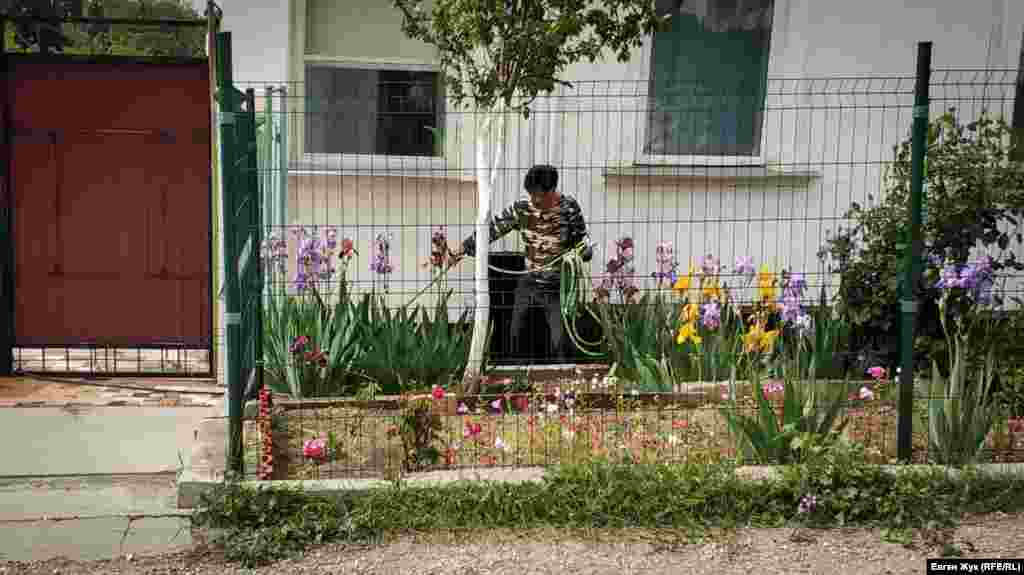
x=691, y=313
x=766, y=284
x=759, y=340
x=682, y=284
x=712, y=291
x=688, y=333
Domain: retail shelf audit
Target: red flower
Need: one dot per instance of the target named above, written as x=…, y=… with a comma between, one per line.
x=1016, y=424
x=347, y=247
x=316, y=356
x=521, y=402
x=299, y=343
x=437, y=392
x=679, y=424
x=472, y=430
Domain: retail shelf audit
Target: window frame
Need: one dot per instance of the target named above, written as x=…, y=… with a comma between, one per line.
x=370, y=164
x=779, y=29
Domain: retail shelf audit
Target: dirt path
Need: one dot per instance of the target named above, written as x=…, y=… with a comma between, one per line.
x=742, y=552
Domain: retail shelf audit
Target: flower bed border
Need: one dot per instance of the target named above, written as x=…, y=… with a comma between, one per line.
x=694, y=395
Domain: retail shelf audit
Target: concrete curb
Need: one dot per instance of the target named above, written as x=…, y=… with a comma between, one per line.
x=191, y=486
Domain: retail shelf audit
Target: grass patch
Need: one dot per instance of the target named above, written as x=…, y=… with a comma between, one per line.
x=259, y=526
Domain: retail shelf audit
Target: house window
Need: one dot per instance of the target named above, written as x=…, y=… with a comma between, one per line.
x=372, y=111
x=708, y=78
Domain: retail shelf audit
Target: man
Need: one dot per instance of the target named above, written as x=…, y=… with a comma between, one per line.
x=550, y=224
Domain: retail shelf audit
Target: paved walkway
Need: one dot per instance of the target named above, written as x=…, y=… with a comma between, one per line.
x=90, y=472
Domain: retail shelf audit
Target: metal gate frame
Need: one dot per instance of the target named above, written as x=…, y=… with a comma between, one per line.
x=243, y=289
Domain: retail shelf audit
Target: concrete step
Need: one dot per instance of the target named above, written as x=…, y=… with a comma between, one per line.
x=90, y=517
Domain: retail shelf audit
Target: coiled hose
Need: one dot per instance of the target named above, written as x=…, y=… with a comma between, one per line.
x=571, y=293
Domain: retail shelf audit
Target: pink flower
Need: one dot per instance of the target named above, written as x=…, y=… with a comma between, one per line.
x=866, y=394
x=315, y=449
x=496, y=404
x=877, y=372
x=773, y=387
x=437, y=392
x=462, y=409
x=471, y=430
x=299, y=343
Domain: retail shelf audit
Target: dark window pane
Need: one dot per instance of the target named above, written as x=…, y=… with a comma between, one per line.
x=709, y=77
x=361, y=111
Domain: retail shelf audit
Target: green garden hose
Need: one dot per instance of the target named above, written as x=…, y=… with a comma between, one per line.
x=570, y=292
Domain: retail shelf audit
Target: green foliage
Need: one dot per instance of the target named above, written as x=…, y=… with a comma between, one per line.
x=652, y=375
x=805, y=426
x=974, y=195
x=97, y=39
x=405, y=350
x=508, y=52
x=720, y=349
x=419, y=427
x=959, y=415
x=261, y=526
x=335, y=332
x=850, y=492
x=44, y=36
x=961, y=412
x=637, y=333
x=1010, y=397
x=362, y=343
x=258, y=526
x=820, y=355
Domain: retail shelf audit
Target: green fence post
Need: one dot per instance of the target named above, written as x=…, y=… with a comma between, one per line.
x=253, y=295
x=283, y=156
x=912, y=263
x=266, y=166
x=232, y=309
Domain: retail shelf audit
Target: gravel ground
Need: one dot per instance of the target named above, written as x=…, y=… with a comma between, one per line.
x=744, y=551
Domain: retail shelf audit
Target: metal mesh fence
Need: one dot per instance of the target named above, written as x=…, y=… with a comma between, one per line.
x=711, y=276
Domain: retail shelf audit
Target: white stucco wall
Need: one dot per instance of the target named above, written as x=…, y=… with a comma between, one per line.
x=823, y=115
x=259, y=38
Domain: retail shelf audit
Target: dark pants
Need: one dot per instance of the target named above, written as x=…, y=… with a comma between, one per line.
x=533, y=294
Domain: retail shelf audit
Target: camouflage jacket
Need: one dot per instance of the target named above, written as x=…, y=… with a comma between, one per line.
x=545, y=233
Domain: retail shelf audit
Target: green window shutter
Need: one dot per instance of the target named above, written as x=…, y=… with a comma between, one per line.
x=709, y=79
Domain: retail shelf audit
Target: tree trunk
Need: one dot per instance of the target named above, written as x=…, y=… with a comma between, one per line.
x=481, y=314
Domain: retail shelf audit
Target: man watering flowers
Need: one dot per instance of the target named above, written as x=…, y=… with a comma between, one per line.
x=551, y=225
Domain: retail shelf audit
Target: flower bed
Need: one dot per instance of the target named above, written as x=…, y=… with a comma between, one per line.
x=345, y=438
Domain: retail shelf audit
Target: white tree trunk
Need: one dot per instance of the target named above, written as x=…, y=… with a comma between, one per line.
x=485, y=180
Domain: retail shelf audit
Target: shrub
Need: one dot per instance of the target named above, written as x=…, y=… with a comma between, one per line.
x=974, y=194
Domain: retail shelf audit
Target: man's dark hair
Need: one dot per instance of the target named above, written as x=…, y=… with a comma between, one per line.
x=541, y=177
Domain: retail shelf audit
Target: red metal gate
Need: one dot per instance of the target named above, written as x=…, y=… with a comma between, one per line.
x=110, y=174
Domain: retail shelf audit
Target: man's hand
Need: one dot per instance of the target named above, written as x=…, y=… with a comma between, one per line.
x=588, y=253
x=455, y=255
